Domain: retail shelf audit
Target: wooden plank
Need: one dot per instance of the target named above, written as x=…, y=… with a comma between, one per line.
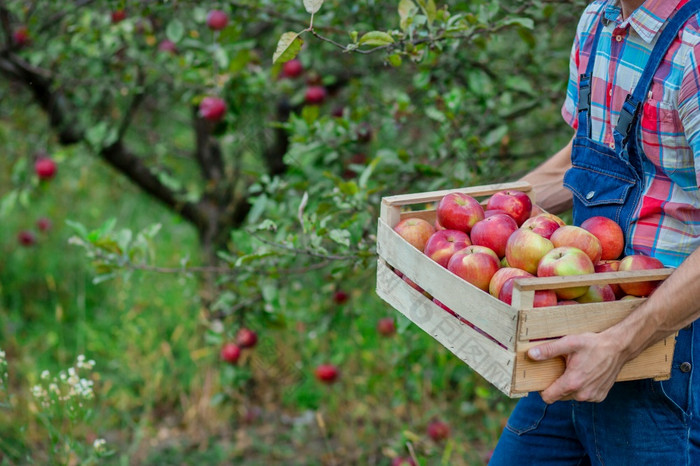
x=475, y=191
x=478, y=307
x=654, y=362
x=428, y=215
x=483, y=355
x=557, y=321
x=554, y=283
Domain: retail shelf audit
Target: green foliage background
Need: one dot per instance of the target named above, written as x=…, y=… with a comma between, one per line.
x=474, y=100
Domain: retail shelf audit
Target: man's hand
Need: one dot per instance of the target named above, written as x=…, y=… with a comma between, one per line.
x=593, y=361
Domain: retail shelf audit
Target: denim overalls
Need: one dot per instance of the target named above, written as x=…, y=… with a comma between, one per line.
x=643, y=421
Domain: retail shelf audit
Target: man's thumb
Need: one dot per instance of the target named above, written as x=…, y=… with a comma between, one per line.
x=544, y=351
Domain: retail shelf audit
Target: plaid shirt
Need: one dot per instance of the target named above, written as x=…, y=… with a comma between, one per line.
x=666, y=223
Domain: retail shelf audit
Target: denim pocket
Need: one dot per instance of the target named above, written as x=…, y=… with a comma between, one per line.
x=596, y=193
x=674, y=394
x=527, y=415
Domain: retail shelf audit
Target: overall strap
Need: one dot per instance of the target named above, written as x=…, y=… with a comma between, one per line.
x=630, y=109
x=584, y=87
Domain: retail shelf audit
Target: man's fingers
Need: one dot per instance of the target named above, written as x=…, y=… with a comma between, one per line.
x=560, y=347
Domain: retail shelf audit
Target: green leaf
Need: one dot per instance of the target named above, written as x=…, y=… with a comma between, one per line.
x=494, y=136
x=288, y=47
x=312, y=6
x=175, y=30
x=340, y=237
x=527, y=23
x=429, y=9
x=406, y=10
x=394, y=60
x=378, y=38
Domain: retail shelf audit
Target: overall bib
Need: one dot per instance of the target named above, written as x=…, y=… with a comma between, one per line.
x=643, y=421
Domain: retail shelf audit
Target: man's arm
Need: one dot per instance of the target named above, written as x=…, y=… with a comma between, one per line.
x=546, y=179
x=593, y=360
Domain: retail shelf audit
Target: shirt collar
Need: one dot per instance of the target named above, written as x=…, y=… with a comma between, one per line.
x=647, y=20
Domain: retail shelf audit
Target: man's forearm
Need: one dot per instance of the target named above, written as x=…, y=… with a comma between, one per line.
x=547, y=178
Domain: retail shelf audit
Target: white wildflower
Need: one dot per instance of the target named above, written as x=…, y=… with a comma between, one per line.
x=45, y=375
x=99, y=445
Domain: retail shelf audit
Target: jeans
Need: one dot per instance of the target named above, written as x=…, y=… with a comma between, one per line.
x=641, y=422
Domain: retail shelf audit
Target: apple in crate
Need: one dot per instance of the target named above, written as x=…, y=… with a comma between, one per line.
x=525, y=248
x=610, y=266
x=516, y=204
x=474, y=265
x=493, y=232
x=639, y=262
x=597, y=294
x=458, y=211
x=502, y=275
x=415, y=230
x=554, y=217
x=577, y=237
x=443, y=243
x=542, y=225
x=563, y=262
x=543, y=298
x=610, y=235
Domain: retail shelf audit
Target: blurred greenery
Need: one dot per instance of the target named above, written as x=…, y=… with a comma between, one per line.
x=132, y=276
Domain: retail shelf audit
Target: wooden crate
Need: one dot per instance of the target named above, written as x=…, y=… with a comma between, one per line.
x=501, y=358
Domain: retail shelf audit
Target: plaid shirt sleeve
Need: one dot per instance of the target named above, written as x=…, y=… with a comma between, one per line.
x=689, y=105
x=568, y=110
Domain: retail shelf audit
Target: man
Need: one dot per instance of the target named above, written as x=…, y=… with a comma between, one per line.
x=634, y=100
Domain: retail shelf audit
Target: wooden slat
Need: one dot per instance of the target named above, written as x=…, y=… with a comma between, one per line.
x=491, y=315
x=554, y=283
x=556, y=321
x=475, y=191
x=483, y=355
x=654, y=362
x=428, y=215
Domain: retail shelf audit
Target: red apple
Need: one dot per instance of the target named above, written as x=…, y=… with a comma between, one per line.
x=217, y=20
x=230, y=353
x=415, y=230
x=577, y=237
x=315, y=95
x=212, y=108
x=474, y=248
x=20, y=36
x=458, y=211
x=554, y=217
x=292, y=68
x=525, y=248
x=444, y=243
x=639, y=262
x=386, y=326
x=246, y=338
x=536, y=210
x=474, y=266
x=438, y=430
x=502, y=275
x=610, y=266
x=45, y=168
x=327, y=373
x=543, y=298
x=403, y=461
x=517, y=204
x=26, y=238
x=341, y=297
x=597, y=294
x=610, y=235
x=563, y=262
x=167, y=46
x=542, y=225
x=118, y=16
x=493, y=232
x=43, y=224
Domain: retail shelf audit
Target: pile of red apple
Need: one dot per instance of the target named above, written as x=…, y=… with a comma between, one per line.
x=510, y=238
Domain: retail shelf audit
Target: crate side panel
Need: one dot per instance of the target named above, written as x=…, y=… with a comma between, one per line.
x=486, y=312
x=654, y=362
x=475, y=191
x=483, y=355
x=557, y=321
